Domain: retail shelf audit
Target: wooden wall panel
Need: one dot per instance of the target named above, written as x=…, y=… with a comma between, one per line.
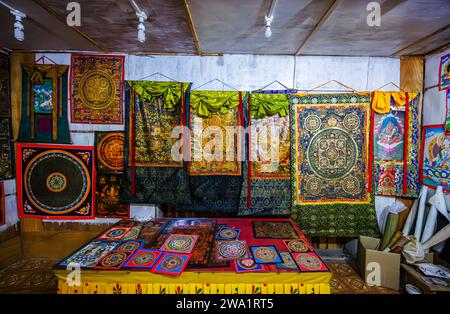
x=10, y=251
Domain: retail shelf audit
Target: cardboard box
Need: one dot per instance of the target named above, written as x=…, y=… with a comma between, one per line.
x=376, y=267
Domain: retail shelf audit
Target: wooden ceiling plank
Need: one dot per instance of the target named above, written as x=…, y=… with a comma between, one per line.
x=45, y=6
x=319, y=24
x=421, y=40
x=192, y=27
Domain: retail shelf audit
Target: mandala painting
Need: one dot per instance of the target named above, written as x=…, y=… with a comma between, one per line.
x=179, y=243
x=331, y=171
x=231, y=250
x=143, y=258
x=248, y=266
x=267, y=254
x=89, y=254
x=395, y=138
x=96, y=89
x=309, y=262
x=155, y=173
x=6, y=150
x=132, y=234
x=114, y=233
x=109, y=187
x=112, y=260
x=444, y=72
x=297, y=246
x=110, y=151
x=129, y=246
x=171, y=264
x=55, y=182
x=288, y=261
x=435, y=157
x=274, y=230
x=228, y=233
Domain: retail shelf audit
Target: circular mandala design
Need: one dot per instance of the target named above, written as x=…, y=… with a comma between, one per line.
x=144, y=258
x=180, y=243
x=313, y=186
x=228, y=233
x=308, y=261
x=265, y=254
x=298, y=246
x=288, y=260
x=351, y=122
x=172, y=262
x=232, y=250
x=52, y=171
x=351, y=185
x=313, y=123
x=56, y=182
x=132, y=234
x=97, y=89
x=247, y=263
x=114, y=259
x=115, y=233
x=332, y=153
x=129, y=246
x=110, y=151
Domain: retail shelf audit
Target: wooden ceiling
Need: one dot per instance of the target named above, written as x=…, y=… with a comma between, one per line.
x=199, y=27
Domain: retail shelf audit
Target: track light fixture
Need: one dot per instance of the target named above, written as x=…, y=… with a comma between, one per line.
x=268, y=19
x=142, y=18
x=18, y=25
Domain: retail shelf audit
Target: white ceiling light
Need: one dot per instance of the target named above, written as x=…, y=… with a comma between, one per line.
x=269, y=18
x=142, y=18
x=18, y=26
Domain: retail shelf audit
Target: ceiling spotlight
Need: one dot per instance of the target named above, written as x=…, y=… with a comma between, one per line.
x=18, y=26
x=268, y=22
x=142, y=18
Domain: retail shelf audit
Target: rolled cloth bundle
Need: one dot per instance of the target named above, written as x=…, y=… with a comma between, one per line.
x=437, y=202
x=421, y=211
x=439, y=237
x=389, y=230
x=413, y=251
x=411, y=216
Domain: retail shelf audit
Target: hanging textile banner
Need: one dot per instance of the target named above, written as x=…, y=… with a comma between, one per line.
x=155, y=118
x=109, y=147
x=55, y=182
x=2, y=204
x=6, y=145
x=444, y=72
x=97, y=89
x=266, y=189
x=215, y=169
x=330, y=164
x=395, y=143
x=447, y=114
x=435, y=157
x=44, y=104
x=5, y=98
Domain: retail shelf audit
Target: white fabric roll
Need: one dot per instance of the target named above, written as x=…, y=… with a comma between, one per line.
x=437, y=202
x=420, y=213
x=411, y=215
x=439, y=237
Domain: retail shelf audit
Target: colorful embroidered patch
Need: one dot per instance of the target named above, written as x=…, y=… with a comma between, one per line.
x=231, y=250
x=171, y=264
x=96, y=89
x=129, y=246
x=89, y=254
x=228, y=233
x=115, y=233
x=444, y=72
x=297, y=246
x=247, y=266
x=266, y=254
x=143, y=258
x=113, y=260
x=309, y=262
x=274, y=230
x=55, y=182
x=179, y=243
x=435, y=159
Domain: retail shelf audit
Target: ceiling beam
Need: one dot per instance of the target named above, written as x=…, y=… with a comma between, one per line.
x=50, y=10
x=421, y=40
x=192, y=27
x=319, y=24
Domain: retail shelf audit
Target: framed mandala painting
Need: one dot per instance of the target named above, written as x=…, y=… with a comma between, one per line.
x=171, y=264
x=248, y=266
x=309, y=262
x=55, y=181
x=143, y=258
x=266, y=254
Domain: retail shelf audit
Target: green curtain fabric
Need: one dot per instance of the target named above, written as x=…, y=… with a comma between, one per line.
x=267, y=105
x=206, y=102
x=169, y=92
